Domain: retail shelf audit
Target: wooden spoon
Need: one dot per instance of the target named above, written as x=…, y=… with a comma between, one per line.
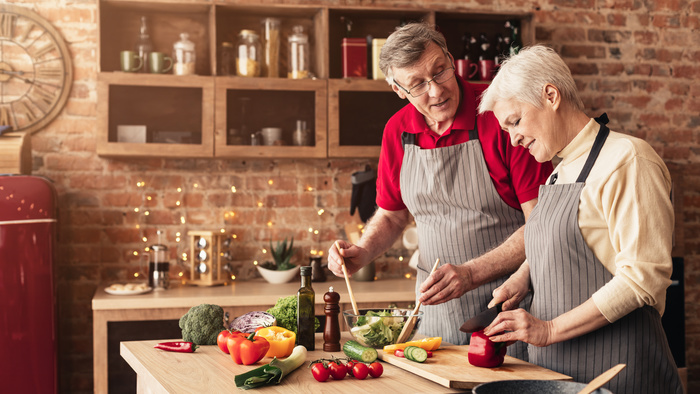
x=602, y=379
x=408, y=327
x=347, y=280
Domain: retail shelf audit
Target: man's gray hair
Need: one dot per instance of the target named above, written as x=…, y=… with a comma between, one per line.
x=406, y=45
x=523, y=76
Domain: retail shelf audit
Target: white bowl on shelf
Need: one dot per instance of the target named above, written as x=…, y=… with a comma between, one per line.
x=276, y=277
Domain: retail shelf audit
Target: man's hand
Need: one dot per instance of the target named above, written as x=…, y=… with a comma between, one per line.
x=354, y=256
x=446, y=283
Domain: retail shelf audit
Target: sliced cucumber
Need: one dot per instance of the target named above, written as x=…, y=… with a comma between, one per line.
x=414, y=353
x=354, y=350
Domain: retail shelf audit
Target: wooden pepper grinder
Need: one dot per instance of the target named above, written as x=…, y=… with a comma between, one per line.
x=331, y=332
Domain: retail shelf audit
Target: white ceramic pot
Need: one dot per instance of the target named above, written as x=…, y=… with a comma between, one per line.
x=277, y=277
x=271, y=135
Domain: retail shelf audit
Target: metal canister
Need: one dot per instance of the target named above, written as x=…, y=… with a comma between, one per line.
x=159, y=268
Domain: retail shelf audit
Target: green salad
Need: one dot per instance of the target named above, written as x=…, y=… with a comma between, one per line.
x=377, y=329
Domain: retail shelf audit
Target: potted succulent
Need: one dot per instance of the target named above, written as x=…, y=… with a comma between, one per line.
x=280, y=270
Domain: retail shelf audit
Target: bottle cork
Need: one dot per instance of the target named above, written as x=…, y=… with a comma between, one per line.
x=331, y=332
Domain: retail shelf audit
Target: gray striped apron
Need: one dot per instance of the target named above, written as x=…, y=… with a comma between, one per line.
x=564, y=274
x=459, y=216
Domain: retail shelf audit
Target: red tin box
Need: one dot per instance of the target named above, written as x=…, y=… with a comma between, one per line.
x=354, y=57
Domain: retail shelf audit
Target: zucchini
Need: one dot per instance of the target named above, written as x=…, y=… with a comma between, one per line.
x=414, y=353
x=355, y=351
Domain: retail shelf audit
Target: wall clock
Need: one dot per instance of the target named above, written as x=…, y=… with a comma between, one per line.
x=36, y=72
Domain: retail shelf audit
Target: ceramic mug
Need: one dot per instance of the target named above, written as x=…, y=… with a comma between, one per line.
x=465, y=68
x=270, y=135
x=131, y=61
x=157, y=62
x=487, y=69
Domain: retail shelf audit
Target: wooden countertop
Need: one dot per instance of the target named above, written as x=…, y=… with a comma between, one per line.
x=209, y=370
x=253, y=293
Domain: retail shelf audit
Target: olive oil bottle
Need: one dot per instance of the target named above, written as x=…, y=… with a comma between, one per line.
x=305, y=311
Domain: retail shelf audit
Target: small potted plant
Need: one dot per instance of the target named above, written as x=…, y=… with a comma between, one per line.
x=280, y=270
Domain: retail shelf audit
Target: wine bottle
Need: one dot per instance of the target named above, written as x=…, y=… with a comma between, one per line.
x=305, y=311
x=143, y=45
x=516, y=42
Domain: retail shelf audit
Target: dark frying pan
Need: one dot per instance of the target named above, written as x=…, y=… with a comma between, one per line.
x=533, y=387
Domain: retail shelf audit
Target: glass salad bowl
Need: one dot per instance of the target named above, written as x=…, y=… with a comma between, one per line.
x=380, y=327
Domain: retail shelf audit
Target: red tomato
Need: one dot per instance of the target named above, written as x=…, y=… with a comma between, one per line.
x=376, y=369
x=320, y=372
x=360, y=370
x=399, y=353
x=338, y=370
x=222, y=339
x=349, y=366
x=430, y=354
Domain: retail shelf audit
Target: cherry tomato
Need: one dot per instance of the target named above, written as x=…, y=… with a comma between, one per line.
x=360, y=370
x=349, y=366
x=376, y=369
x=399, y=353
x=320, y=372
x=337, y=369
x=430, y=354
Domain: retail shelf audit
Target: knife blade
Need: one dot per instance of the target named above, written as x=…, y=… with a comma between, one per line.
x=481, y=320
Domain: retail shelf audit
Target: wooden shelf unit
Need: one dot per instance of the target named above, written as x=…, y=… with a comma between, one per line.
x=346, y=116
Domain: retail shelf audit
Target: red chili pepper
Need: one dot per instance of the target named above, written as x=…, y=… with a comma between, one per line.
x=180, y=347
x=483, y=352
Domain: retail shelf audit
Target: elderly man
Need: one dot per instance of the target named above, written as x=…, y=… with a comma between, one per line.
x=456, y=174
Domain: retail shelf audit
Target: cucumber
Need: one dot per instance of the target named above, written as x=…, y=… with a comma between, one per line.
x=358, y=352
x=414, y=353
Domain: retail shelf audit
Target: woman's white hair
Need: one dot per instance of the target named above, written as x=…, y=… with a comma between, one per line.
x=523, y=76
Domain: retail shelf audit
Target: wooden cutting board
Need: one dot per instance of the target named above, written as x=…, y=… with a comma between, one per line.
x=450, y=367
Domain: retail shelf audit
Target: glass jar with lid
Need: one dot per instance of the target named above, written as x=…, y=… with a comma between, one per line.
x=298, y=53
x=183, y=56
x=248, y=54
x=271, y=46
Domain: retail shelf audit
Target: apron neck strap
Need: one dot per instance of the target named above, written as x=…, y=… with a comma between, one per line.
x=597, y=146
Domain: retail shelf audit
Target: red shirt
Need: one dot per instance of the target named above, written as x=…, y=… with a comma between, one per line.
x=516, y=175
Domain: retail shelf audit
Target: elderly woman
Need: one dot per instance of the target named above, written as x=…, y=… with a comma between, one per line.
x=598, y=243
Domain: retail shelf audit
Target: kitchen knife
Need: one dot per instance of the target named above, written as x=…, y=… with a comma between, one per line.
x=482, y=320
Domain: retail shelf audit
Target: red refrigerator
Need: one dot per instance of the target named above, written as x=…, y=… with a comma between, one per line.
x=27, y=297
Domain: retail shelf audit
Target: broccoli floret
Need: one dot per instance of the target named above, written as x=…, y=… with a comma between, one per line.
x=202, y=324
x=285, y=312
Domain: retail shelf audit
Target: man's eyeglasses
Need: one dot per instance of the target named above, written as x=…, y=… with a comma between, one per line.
x=423, y=87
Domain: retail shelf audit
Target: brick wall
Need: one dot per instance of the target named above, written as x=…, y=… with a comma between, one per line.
x=634, y=59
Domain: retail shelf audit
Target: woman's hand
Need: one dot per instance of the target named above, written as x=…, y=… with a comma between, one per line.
x=446, y=283
x=519, y=325
x=354, y=256
x=513, y=290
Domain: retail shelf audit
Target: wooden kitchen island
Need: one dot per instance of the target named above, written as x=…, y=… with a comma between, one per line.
x=209, y=370
x=236, y=298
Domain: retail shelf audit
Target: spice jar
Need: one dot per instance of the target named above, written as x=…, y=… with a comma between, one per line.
x=298, y=54
x=271, y=47
x=248, y=53
x=183, y=56
x=227, y=59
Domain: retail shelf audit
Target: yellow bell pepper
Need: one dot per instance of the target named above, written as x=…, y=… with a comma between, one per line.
x=429, y=344
x=281, y=340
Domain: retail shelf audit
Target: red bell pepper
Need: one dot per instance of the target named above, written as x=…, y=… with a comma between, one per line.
x=247, y=350
x=180, y=347
x=483, y=352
